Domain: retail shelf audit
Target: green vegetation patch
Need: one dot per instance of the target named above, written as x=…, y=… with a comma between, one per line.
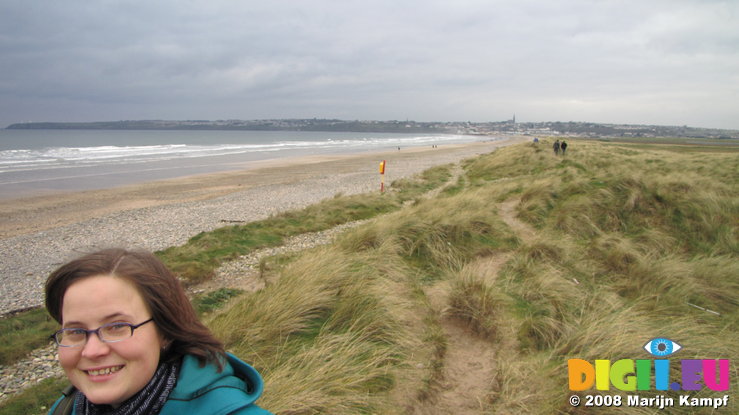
x=24, y=332
x=411, y=188
x=197, y=260
x=208, y=302
x=35, y=400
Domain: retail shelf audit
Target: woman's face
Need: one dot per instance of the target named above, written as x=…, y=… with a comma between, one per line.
x=109, y=373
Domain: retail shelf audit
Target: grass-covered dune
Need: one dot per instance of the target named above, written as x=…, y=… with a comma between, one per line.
x=597, y=253
x=623, y=239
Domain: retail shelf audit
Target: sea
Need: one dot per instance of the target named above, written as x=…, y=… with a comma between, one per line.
x=38, y=162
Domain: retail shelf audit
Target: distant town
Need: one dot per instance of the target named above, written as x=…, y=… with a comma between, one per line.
x=570, y=129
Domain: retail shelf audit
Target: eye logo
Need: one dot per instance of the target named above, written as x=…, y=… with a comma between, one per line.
x=662, y=347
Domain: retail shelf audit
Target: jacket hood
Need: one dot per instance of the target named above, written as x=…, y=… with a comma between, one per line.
x=237, y=385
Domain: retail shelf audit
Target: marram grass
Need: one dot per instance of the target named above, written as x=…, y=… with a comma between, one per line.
x=327, y=335
x=638, y=247
x=624, y=239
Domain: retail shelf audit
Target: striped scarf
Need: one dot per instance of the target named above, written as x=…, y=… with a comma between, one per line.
x=148, y=400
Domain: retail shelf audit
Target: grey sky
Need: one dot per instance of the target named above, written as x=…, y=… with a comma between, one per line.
x=670, y=62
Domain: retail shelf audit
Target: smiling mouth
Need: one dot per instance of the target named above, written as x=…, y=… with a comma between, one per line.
x=106, y=371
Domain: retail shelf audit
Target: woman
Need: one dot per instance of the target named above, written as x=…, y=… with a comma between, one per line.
x=131, y=343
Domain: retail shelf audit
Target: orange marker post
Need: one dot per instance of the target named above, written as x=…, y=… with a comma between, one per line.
x=382, y=176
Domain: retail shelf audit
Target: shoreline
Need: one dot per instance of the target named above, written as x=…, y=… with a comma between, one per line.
x=29, y=214
x=38, y=234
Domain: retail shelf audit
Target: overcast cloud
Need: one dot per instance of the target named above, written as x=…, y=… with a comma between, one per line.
x=670, y=62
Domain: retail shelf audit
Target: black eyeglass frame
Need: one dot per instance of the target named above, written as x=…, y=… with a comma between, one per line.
x=55, y=336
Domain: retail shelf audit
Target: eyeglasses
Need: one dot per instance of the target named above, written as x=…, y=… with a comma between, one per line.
x=108, y=333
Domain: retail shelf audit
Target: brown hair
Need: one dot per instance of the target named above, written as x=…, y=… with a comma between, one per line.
x=162, y=293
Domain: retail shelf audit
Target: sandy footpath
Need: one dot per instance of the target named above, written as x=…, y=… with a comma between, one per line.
x=38, y=234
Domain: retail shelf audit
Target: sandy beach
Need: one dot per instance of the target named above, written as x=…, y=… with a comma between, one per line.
x=39, y=233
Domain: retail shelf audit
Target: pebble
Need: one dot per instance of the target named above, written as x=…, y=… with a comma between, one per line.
x=39, y=365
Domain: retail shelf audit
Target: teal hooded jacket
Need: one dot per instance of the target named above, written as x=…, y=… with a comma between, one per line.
x=202, y=390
